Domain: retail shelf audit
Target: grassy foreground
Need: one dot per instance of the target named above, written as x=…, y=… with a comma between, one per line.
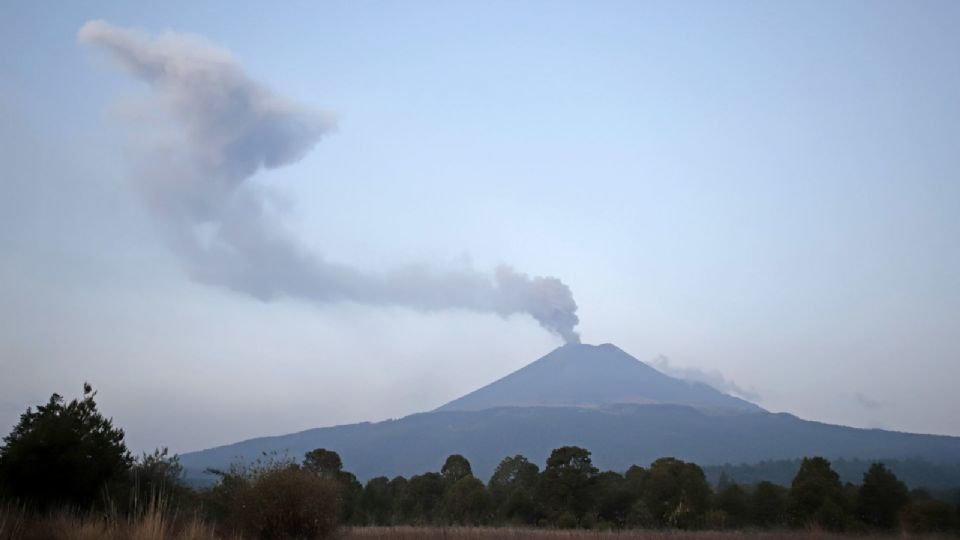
x=154, y=524
x=457, y=533
x=151, y=523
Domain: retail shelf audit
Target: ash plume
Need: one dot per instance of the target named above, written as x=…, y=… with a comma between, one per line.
x=712, y=378
x=196, y=182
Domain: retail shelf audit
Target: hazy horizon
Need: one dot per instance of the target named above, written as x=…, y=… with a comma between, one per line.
x=238, y=221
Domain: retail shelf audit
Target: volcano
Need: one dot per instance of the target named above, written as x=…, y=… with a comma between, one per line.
x=595, y=396
x=579, y=375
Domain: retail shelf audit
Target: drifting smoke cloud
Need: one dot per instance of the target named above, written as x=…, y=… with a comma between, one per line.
x=713, y=378
x=230, y=127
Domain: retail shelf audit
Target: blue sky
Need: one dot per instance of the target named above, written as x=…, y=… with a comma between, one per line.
x=765, y=190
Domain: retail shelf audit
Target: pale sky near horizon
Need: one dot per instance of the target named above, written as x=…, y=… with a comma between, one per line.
x=767, y=191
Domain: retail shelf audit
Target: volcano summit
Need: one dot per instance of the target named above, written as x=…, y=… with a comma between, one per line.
x=579, y=375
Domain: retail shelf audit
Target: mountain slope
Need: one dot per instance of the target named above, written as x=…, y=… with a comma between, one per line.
x=589, y=376
x=598, y=397
x=618, y=436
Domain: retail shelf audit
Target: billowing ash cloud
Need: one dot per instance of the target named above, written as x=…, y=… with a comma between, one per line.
x=229, y=127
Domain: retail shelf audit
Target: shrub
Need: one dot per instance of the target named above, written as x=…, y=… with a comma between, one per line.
x=158, y=475
x=567, y=521
x=277, y=500
x=930, y=516
x=290, y=503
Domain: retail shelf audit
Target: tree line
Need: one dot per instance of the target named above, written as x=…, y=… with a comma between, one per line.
x=941, y=478
x=67, y=454
x=570, y=492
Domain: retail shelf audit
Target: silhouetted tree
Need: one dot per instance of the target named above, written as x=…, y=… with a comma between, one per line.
x=732, y=500
x=322, y=461
x=377, y=502
x=816, y=496
x=880, y=498
x=614, y=499
x=327, y=463
x=455, y=468
x=64, y=453
x=768, y=505
x=466, y=502
x=158, y=475
x=565, y=485
x=511, y=489
x=639, y=515
x=351, y=491
x=636, y=479
x=398, y=492
x=423, y=495
x=676, y=493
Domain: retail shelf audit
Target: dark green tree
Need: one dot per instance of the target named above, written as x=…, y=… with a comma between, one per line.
x=816, y=496
x=565, y=485
x=466, y=502
x=351, y=492
x=768, y=505
x=511, y=489
x=676, y=493
x=327, y=463
x=423, y=495
x=158, y=475
x=614, y=499
x=732, y=500
x=64, y=453
x=521, y=506
x=322, y=461
x=377, y=502
x=398, y=492
x=636, y=478
x=455, y=468
x=639, y=515
x=881, y=498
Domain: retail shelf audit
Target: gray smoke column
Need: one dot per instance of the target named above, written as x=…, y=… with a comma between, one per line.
x=227, y=128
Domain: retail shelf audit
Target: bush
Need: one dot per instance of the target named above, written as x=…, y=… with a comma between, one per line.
x=290, y=503
x=930, y=516
x=567, y=521
x=277, y=501
x=158, y=475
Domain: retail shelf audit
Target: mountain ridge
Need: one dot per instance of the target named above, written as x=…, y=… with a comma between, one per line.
x=594, y=396
x=618, y=436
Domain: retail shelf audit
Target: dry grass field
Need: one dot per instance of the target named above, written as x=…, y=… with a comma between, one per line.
x=444, y=533
x=157, y=525
x=151, y=524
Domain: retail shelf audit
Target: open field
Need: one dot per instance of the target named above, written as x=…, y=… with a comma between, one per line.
x=448, y=533
x=150, y=525
x=154, y=525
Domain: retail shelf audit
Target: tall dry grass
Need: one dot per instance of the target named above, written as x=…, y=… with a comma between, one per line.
x=458, y=533
x=159, y=523
x=154, y=522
